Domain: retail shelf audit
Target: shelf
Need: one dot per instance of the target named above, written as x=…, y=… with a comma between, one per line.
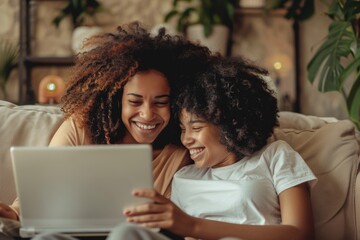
x=28, y=62
x=49, y=61
x=261, y=12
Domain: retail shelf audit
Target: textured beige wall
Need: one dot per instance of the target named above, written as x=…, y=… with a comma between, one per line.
x=257, y=44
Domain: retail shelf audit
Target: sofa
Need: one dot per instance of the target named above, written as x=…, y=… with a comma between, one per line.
x=329, y=146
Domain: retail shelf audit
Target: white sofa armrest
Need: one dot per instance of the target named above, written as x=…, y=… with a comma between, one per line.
x=26, y=125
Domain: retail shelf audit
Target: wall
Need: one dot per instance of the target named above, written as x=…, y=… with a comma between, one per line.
x=257, y=41
x=312, y=33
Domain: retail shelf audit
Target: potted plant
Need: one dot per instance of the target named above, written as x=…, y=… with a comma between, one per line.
x=342, y=42
x=79, y=11
x=9, y=53
x=207, y=21
x=299, y=10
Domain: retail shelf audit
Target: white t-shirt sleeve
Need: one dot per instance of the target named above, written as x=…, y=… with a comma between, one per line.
x=288, y=167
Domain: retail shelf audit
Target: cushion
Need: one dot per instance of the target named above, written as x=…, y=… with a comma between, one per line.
x=24, y=125
x=331, y=150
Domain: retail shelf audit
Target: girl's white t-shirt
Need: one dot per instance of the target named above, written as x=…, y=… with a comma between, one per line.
x=245, y=192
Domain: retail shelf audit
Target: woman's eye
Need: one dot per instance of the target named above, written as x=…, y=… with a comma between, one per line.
x=132, y=102
x=161, y=103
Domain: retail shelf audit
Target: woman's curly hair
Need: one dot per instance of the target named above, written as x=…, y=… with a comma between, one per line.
x=94, y=90
x=232, y=94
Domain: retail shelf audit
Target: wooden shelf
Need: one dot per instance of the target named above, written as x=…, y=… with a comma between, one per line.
x=261, y=12
x=27, y=62
x=49, y=61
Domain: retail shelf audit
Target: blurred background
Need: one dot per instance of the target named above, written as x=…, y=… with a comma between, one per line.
x=264, y=36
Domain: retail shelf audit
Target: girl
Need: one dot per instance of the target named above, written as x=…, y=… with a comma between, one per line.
x=240, y=185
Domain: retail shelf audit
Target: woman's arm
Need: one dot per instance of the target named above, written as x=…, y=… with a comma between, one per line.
x=296, y=212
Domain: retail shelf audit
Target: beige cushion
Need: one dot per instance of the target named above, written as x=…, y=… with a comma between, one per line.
x=32, y=125
x=331, y=150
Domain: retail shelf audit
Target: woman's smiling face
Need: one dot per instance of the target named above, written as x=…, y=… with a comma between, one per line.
x=145, y=107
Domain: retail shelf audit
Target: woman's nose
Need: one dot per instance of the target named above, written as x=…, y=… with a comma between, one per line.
x=146, y=113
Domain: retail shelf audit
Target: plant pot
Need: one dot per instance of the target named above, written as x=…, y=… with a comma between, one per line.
x=216, y=42
x=80, y=34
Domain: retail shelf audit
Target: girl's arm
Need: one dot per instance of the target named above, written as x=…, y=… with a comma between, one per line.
x=7, y=211
x=297, y=223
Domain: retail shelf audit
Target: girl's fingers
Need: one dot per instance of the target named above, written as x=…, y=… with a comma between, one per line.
x=151, y=194
x=147, y=218
x=143, y=209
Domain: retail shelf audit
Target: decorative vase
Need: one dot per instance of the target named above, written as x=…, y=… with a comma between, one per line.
x=216, y=42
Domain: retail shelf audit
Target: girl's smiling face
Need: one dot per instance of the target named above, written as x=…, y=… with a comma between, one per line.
x=145, y=107
x=201, y=138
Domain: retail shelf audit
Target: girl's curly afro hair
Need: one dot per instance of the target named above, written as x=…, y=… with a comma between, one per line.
x=232, y=94
x=94, y=90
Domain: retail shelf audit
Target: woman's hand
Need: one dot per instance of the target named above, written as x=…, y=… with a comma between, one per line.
x=160, y=213
x=7, y=212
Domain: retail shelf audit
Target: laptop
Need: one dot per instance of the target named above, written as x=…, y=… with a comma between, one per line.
x=78, y=190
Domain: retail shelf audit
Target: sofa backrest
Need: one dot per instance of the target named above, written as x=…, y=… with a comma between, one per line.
x=26, y=125
x=331, y=149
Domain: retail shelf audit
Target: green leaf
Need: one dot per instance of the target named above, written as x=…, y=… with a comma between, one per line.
x=9, y=53
x=329, y=79
x=170, y=15
x=353, y=102
x=183, y=21
x=298, y=10
x=205, y=12
x=207, y=29
x=77, y=9
x=326, y=60
x=351, y=8
x=351, y=67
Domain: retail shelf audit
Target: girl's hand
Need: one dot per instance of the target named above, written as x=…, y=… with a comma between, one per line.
x=160, y=213
x=7, y=212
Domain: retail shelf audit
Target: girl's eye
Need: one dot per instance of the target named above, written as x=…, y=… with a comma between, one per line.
x=197, y=129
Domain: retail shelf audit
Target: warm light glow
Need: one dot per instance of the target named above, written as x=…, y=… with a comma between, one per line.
x=277, y=65
x=51, y=87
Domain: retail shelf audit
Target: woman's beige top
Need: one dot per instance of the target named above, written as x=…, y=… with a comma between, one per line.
x=170, y=159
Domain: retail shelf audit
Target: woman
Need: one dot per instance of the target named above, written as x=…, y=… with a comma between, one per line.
x=120, y=92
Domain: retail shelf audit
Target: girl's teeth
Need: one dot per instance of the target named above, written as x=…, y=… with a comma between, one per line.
x=195, y=151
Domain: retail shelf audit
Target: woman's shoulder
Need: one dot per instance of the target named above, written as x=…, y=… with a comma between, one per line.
x=173, y=154
x=70, y=133
x=172, y=149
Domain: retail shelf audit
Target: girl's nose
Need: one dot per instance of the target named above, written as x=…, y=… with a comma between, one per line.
x=186, y=139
